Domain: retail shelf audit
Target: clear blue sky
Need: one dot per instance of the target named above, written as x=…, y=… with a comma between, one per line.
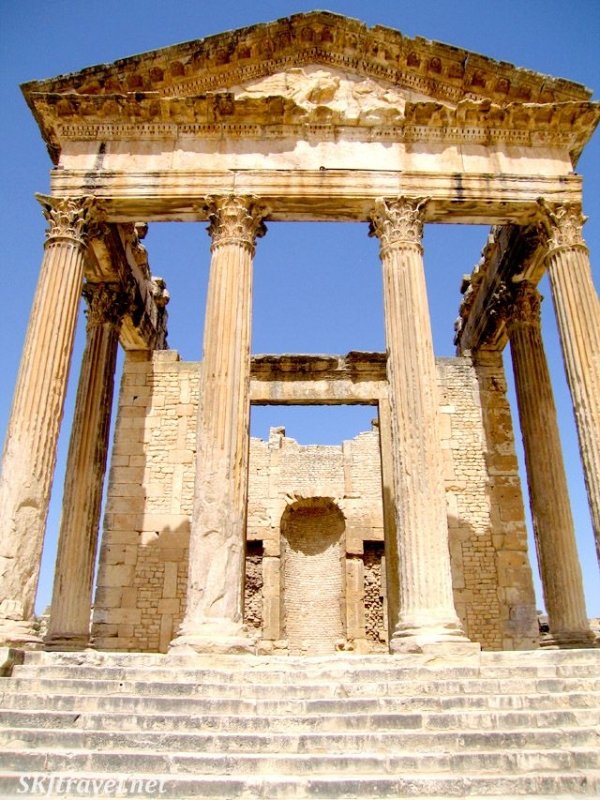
x=313, y=293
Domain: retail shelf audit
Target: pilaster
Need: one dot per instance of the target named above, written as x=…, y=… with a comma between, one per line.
x=69, y=626
x=577, y=308
x=214, y=611
x=554, y=532
x=426, y=613
x=30, y=449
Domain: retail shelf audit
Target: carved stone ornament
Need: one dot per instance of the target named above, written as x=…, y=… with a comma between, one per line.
x=526, y=304
x=499, y=308
x=517, y=303
x=398, y=222
x=235, y=220
x=74, y=218
x=107, y=303
x=563, y=226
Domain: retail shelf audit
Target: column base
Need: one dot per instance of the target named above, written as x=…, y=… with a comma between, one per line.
x=67, y=642
x=20, y=633
x=218, y=637
x=438, y=639
x=569, y=640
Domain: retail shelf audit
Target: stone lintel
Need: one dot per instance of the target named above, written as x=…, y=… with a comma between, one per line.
x=357, y=377
x=510, y=250
x=320, y=195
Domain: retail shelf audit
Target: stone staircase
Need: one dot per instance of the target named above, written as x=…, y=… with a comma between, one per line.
x=133, y=725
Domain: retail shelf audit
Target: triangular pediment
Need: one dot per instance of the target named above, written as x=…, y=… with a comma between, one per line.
x=432, y=69
x=314, y=69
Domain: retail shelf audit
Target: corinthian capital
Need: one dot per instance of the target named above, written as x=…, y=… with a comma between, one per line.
x=236, y=220
x=398, y=222
x=563, y=226
x=74, y=218
x=526, y=304
x=107, y=303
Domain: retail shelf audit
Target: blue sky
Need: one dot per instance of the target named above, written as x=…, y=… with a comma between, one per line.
x=316, y=290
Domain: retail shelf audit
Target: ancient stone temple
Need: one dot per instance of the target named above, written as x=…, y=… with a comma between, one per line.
x=409, y=538
x=272, y=619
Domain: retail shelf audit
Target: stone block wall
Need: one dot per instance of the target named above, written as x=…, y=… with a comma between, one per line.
x=143, y=565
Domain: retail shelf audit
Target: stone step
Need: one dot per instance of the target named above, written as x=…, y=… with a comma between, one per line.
x=501, y=725
x=324, y=787
x=148, y=704
x=387, y=672
x=342, y=660
x=435, y=720
x=297, y=689
x=274, y=763
x=321, y=740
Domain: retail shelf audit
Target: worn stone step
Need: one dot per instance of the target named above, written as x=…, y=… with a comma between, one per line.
x=257, y=740
x=343, y=660
x=386, y=671
x=105, y=705
x=324, y=787
x=468, y=686
x=274, y=763
x=430, y=720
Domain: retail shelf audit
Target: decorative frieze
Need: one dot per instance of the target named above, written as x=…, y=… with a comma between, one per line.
x=275, y=116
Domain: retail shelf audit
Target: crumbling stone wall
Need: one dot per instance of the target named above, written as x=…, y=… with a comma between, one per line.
x=374, y=599
x=253, y=586
x=143, y=565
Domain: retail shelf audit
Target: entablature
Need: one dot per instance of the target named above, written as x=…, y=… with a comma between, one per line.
x=138, y=117
x=512, y=253
x=117, y=256
x=319, y=195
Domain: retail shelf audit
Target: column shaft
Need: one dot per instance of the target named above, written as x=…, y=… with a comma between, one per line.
x=577, y=310
x=426, y=606
x=214, y=613
x=30, y=449
x=552, y=520
x=69, y=626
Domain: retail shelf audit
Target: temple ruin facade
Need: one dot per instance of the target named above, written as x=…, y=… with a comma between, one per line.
x=409, y=538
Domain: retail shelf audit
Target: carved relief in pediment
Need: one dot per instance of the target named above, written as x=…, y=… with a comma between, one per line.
x=351, y=96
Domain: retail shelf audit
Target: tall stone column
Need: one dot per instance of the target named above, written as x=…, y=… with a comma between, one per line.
x=427, y=616
x=69, y=626
x=214, y=614
x=577, y=310
x=30, y=449
x=552, y=520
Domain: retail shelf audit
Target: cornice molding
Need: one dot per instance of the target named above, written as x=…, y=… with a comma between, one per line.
x=139, y=116
x=441, y=71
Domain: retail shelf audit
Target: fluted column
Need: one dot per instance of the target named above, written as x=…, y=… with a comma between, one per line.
x=427, y=616
x=214, y=613
x=554, y=532
x=69, y=626
x=31, y=440
x=577, y=310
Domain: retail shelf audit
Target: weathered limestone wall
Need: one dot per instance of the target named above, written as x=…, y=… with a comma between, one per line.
x=143, y=569
x=491, y=576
